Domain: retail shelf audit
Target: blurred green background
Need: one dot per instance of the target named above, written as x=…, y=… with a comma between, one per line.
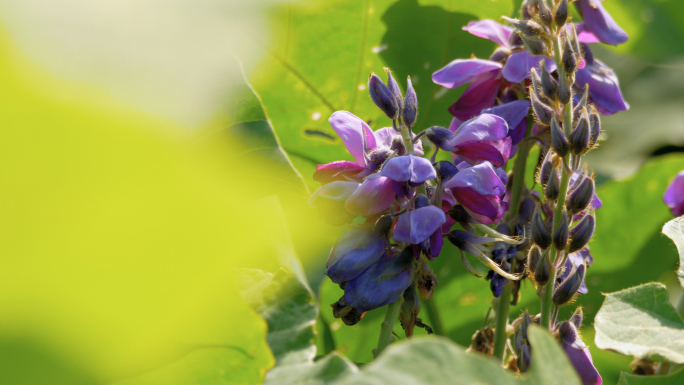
x=150, y=95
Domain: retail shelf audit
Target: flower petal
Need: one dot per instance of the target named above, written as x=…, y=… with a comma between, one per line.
x=385, y=136
x=513, y=112
x=408, y=168
x=482, y=178
x=351, y=129
x=353, y=253
x=604, y=88
x=584, y=365
x=496, y=152
x=381, y=284
x=600, y=23
x=464, y=71
x=674, y=194
x=584, y=35
x=490, y=29
x=337, y=191
x=418, y=225
x=372, y=197
x=479, y=95
x=519, y=64
x=483, y=127
x=340, y=170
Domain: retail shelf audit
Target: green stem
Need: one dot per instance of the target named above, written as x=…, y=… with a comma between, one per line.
x=406, y=134
x=519, y=171
x=501, y=306
x=435, y=319
x=387, y=326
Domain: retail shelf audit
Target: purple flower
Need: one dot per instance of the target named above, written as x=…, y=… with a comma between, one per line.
x=369, y=149
x=372, y=197
x=409, y=168
x=353, y=253
x=674, y=195
x=604, y=88
x=381, y=283
x=479, y=189
x=514, y=114
x=487, y=77
x=580, y=257
x=418, y=225
x=599, y=23
x=579, y=355
x=483, y=138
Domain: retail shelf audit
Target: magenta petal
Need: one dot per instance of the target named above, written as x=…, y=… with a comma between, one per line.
x=351, y=129
x=599, y=21
x=584, y=365
x=418, y=225
x=337, y=191
x=408, y=168
x=479, y=95
x=584, y=35
x=475, y=202
x=340, y=170
x=674, y=194
x=604, y=88
x=494, y=151
x=482, y=178
x=464, y=71
x=519, y=64
x=483, y=127
x=372, y=197
x=436, y=242
x=490, y=29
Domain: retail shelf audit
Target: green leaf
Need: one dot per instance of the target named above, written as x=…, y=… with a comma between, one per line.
x=672, y=379
x=675, y=230
x=437, y=361
x=321, y=54
x=287, y=305
x=640, y=322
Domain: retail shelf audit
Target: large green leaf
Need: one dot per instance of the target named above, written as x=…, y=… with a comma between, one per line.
x=440, y=361
x=287, y=305
x=675, y=230
x=321, y=54
x=672, y=379
x=640, y=322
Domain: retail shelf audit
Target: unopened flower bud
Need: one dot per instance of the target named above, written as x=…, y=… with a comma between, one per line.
x=580, y=136
x=568, y=334
x=581, y=196
x=577, y=317
x=546, y=169
x=533, y=258
x=561, y=16
x=540, y=230
x=526, y=210
x=410, y=111
x=523, y=359
x=560, y=238
x=440, y=136
x=545, y=14
x=398, y=145
x=574, y=40
x=581, y=234
x=549, y=85
x=552, y=189
x=577, y=109
x=445, y=170
x=500, y=55
x=514, y=40
x=564, y=92
x=568, y=288
x=544, y=113
x=382, y=97
x=421, y=201
x=526, y=27
x=542, y=272
x=559, y=142
x=568, y=58
x=594, y=127
x=536, y=80
x=394, y=88
x=534, y=45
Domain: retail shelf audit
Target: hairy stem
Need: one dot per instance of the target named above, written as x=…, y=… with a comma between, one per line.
x=501, y=306
x=435, y=319
x=388, y=325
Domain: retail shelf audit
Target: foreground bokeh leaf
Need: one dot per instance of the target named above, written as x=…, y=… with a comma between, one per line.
x=631, y=379
x=640, y=322
x=675, y=230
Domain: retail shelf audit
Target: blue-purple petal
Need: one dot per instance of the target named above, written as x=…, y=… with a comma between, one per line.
x=604, y=88
x=408, y=168
x=519, y=64
x=379, y=285
x=600, y=23
x=491, y=30
x=353, y=253
x=418, y=225
x=674, y=195
x=464, y=71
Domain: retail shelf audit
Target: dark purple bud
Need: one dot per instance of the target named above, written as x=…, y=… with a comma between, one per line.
x=540, y=230
x=568, y=288
x=500, y=55
x=581, y=234
x=514, y=40
x=394, y=88
x=568, y=58
x=575, y=43
x=421, y=201
x=526, y=27
x=564, y=92
x=542, y=272
x=577, y=110
x=549, y=85
x=533, y=258
x=561, y=13
x=552, y=189
x=526, y=210
x=523, y=359
x=577, y=317
x=525, y=323
x=410, y=111
x=544, y=113
x=534, y=45
x=440, y=137
x=445, y=170
x=559, y=143
x=382, y=97
x=580, y=136
x=560, y=238
x=581, y=196
x=545, y=14
x=546, y=169
x=567, y=333
x=594, y=126
x=398, y=146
